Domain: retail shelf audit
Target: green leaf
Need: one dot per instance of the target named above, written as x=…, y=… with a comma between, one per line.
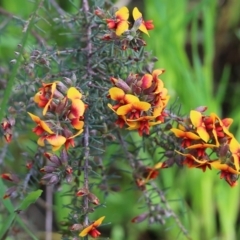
x=29, y=199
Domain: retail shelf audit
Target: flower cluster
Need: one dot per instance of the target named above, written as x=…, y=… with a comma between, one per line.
x=207, y=143
x=57, y=169
x=65, y=113
x=119, y=25
x=140, y=101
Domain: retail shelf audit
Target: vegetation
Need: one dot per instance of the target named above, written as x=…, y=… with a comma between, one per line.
x=114, y=121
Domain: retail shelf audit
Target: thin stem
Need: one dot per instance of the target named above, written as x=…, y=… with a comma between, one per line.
x=49, y=213
x=86, y=128
x=168, y=208
x=27, y=28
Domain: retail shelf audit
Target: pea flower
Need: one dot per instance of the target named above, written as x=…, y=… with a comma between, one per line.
x=119, y=23
x=145, y=25
x=92, y=229
x=45, y=95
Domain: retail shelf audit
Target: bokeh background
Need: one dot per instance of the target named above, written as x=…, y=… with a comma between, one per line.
x=198, y=43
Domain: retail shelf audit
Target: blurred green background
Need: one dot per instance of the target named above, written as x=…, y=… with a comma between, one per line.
x=198, y=43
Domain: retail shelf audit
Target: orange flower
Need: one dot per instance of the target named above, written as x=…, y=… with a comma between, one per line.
x=92, y=229
x=45, y=96
x=41, y=125
x=145, y=25
x=77, y=108
x=120, y=23
x=188, y=137
x=192, y=162
x=143, y=124
x=228, y=173
x=55, y=140
x=133, y=110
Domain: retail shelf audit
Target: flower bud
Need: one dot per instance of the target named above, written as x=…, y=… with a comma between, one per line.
x=29, y=165
x=140, y=218
x=82, y=192
x=68, y=81
x=10, y=192
x=68, y=170
x=76, y=227
x=10, y=177
x=69, y=178
x=64, y=157
x=201, y=109
x=13, y=61
x=48, y=169
x=121, y=84
x=54, y=179
x=93, y=199
x=99, y=12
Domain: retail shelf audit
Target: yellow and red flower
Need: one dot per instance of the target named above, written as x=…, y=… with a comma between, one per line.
x=145, y=25
x=45, y=95
x=92, y=229
x=77, y=108
x=41, y=127
x=120, y=22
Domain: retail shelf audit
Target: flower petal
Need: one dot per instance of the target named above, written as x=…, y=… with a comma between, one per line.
x=121, y=28
x=77, y=124
x=129, y=98
x=116, y=93
x=136, y=13
x=98, y=222
x=56, y=141
x=35, y=118
x=143, y=29
x=125, y=109
x=85, y=231
x=196, y=118
x=73, y=93
x=143, y=106
x=122, y=13
x=146, y=81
